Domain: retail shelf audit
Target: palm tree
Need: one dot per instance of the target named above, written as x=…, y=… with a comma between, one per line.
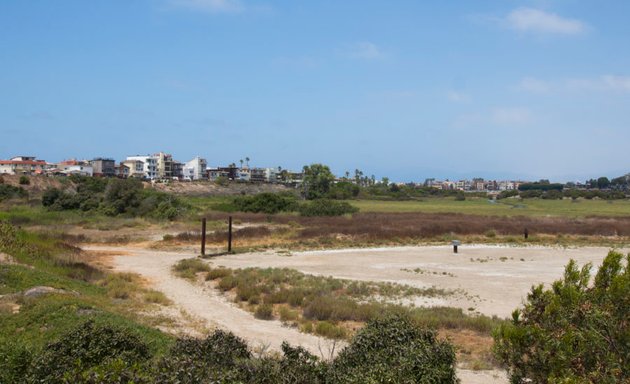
x=247, y=161
x=241, y=160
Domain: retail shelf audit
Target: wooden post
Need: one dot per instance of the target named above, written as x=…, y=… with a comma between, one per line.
x=525, y=233
x=203, y=236
x=455, y=243
x=230, y=234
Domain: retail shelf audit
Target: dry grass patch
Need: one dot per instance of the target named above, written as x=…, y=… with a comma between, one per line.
x=189, y=268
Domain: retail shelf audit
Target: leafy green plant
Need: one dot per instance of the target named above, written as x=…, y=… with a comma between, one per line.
x=577, y=331
x=269, y=203
x=325, y=207
x=264, y=312
x=188, y=268
x=9, y=192
x=392, y=349
x=86, y=346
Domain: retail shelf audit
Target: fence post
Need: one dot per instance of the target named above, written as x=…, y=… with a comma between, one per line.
x=203, y=236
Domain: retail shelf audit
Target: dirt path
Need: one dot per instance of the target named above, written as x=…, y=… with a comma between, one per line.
x=496, y=279
x=207, y=304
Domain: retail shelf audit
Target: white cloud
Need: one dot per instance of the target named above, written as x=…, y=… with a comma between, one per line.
x=500, y=117
x=534, y=20
x=605, y=83
x=364, y=50
x=210, y=6
x=602, y=83
x=457, y=97
x=619, y=83
x=531, y=84
x=510, y=116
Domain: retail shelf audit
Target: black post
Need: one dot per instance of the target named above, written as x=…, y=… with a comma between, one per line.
x=203, y=236
x=525, y=233
x=230, y=234
x=454, y=248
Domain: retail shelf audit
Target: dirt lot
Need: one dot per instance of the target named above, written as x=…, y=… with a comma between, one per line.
x=494, y=279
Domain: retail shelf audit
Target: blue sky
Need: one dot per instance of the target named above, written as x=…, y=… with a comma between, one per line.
x=405, y=89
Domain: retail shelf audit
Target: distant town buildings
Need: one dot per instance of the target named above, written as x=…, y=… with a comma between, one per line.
x=21, y=165
x=162, y=167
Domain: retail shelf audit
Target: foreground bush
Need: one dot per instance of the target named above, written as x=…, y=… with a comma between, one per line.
x=85, y=348
x=393, y=350
x=389, y=350
x=575, y=332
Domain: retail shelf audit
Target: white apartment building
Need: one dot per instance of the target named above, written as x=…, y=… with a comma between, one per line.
x=195, y=169
x=149, y=165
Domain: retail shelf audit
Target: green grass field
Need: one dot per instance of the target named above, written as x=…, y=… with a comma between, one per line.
x=507, y=207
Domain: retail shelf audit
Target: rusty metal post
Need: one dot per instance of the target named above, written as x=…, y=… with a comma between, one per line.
x=230, y=234
x=203, y=236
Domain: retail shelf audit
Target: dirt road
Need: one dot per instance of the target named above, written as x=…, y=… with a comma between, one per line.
x=207, y=304
x=495, y=278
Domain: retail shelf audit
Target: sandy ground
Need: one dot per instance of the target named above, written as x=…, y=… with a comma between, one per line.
x=207, y=305
x=495, y=280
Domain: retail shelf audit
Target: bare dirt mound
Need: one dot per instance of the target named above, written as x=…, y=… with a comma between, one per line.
x=37, y=183
x=208, y=188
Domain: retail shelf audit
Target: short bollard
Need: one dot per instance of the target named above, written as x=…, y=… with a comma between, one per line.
x=525, y=233
x=455, y=243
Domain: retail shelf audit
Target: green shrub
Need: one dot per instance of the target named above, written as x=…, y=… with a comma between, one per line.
x=325, y=207
x=24, y=180
x=392, y=349
x=287, y=314
x=506, y=194
x=329, y=330
x=218, y=273
x=114, y=197
x=552, y=195
x=10, y=192
x=87, y=346
x=264, y=312
x=577, y=331
x=269, y=203
x=188, y=268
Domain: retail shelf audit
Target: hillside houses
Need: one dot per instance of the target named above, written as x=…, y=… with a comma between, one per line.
x=162, y=166
x=22, y=165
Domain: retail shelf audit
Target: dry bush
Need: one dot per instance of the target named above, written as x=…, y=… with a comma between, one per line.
x=393, y=226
